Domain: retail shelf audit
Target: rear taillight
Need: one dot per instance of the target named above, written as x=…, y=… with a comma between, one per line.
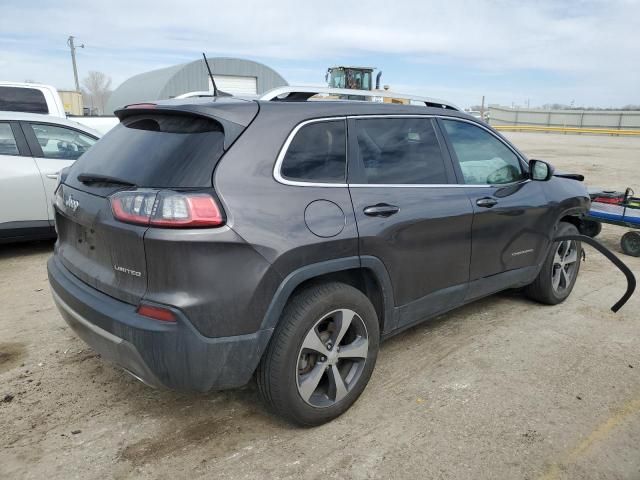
x=133, y=207
x=167, y=209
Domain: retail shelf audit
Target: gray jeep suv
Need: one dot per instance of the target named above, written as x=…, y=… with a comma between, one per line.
x=205, y=241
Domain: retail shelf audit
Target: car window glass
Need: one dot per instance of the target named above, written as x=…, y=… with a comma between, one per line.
x=484, y=160
x=7, y=141
x=18, y=99
x=156, y=149
x=317, y=154
x=60, y=142
x=400, y=151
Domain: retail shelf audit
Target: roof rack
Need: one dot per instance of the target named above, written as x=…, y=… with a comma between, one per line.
x=302, y=94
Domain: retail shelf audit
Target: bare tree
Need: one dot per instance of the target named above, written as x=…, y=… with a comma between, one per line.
x=97, y=89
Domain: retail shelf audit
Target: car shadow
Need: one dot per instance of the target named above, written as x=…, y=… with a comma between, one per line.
x=23, y=249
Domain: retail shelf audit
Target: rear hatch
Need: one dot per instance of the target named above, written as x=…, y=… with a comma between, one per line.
x=154, y=150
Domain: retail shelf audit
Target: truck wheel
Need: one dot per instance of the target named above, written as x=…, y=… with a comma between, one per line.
x=630, y=243
x=559, y=270
x=321, y=355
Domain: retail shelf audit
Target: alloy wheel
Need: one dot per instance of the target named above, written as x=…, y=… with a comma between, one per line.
x=565, y=263
x=331, y=358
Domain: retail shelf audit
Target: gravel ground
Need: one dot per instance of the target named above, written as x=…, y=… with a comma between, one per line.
x=502, y=388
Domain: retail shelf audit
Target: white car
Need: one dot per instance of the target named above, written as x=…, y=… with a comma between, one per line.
x=33, y=149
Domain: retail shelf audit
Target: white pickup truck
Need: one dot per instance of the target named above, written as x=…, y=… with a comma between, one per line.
x=37, y=98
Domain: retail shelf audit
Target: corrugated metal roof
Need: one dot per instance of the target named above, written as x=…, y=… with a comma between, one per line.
x=169, y=82
x=145, y=86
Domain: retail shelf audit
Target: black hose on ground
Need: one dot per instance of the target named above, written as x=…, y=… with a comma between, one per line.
x=631, y=279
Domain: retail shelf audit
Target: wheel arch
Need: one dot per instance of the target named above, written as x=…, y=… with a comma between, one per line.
x=367, y=274
x=574, y=216
x=585, y=225
x=569, y=218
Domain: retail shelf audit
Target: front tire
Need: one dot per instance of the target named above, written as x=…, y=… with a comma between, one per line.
x=321, y=355
x=559, y=270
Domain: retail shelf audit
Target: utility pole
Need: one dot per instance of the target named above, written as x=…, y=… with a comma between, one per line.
x=482, y=108
x=73, y=60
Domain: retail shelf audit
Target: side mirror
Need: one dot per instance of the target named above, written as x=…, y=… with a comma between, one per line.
x=540, y=171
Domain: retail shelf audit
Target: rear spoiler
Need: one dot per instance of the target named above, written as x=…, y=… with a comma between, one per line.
x=234, y=115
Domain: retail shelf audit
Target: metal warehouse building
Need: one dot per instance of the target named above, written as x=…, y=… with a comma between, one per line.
x=232, y=75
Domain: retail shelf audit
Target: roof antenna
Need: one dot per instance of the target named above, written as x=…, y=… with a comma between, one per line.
x=215, y=88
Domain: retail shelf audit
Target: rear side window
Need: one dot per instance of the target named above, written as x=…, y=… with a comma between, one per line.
x=7, y=141
x=16, y=99
x=61, y=142
x=317, y=154
x=157, y=150
x=483, y=159
x=400, y=151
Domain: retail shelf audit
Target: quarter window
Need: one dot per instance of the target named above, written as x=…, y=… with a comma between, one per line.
x=317, y=154
x=8, y=144
x=400, y=151
x=483, y=159
x=60, y=142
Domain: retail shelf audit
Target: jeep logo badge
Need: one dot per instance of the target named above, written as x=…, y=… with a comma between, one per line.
x=72, y=203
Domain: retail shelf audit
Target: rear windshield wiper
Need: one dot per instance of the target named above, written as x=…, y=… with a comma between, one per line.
x=88, y=178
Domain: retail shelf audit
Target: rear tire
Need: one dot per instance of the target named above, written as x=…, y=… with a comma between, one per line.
x=559, y=270
x=630, y=243
x=321, y=355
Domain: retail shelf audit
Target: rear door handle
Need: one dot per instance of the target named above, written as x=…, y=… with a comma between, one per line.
x=53, y=176
x=486, y=202
x=381, y=210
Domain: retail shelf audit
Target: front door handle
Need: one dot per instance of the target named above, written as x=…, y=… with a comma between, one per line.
x=381, y=210
x=486, y=202
x=53, y=176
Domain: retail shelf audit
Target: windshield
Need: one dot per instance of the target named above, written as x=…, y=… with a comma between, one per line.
x=337, y=79
x=350, y=78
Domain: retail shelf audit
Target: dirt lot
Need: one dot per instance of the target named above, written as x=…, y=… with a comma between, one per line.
x=503, y=388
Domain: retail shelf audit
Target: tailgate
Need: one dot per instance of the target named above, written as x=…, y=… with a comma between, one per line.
x=104, y=253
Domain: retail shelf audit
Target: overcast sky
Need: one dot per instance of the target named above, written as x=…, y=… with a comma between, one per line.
x=587, y=52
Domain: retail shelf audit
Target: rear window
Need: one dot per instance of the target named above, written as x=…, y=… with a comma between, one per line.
x=16, y=99
x=317, y=154
x=157, y=150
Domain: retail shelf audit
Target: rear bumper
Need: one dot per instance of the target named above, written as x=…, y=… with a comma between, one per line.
x=161, y=354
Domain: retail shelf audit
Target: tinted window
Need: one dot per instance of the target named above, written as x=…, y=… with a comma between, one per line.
x=7, y=141
x=400, y=151
x=317, y=154
x=156, y=150
x=484, y=160
x=60, y=142
x=15, y=99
